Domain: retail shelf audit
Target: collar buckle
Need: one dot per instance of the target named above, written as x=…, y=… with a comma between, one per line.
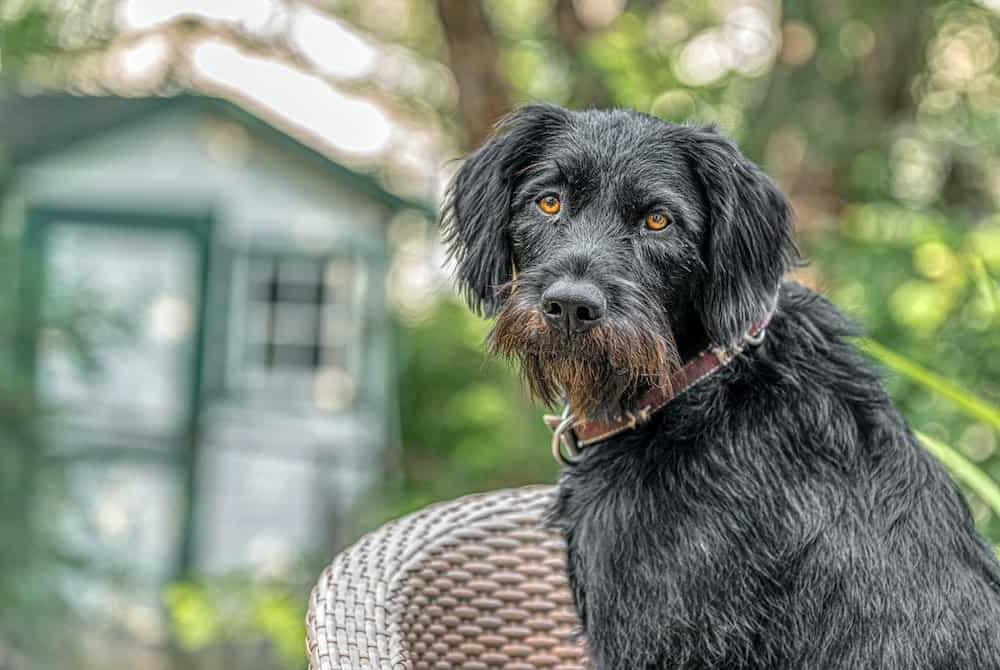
x=565, y=446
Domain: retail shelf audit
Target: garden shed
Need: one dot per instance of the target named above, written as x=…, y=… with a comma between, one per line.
x=237, y=394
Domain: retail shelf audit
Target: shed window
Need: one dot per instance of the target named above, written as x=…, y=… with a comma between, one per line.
x=301, y=329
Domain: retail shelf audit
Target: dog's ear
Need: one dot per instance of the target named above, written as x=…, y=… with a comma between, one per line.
x=749, y=237
x=477, y=208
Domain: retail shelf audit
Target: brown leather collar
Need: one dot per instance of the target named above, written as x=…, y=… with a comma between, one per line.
x=570, y=436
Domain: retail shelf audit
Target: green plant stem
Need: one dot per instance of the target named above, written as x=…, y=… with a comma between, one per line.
x=964, y=470
x=965, y=400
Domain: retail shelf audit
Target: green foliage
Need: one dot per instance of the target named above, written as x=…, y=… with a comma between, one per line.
x=23, y=35
x=245, y=621
x=30, y=598
x=964, y=471
x=32, y=562
x=466, y=423
x=967, y=402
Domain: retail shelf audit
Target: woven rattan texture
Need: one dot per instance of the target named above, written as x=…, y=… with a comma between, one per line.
x=474, y=584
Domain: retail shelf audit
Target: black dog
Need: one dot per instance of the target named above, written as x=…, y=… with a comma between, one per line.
x=778, y=513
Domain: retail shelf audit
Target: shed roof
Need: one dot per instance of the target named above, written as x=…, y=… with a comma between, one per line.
x=32, y=126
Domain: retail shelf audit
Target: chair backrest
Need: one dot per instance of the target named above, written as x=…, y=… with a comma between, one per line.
x=474, y=584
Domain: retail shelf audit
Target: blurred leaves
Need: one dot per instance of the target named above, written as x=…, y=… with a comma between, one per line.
x=965, y=471
x=30, y=599
x=968, y=402
x=23, y=34
x=32, y=562
x=467, y=424
x=244, y=619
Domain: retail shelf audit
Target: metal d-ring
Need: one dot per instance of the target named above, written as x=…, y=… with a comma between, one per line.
x=755, y=340
x=565, y=448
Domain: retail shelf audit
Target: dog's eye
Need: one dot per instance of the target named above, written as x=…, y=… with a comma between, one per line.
x=549, y=204
x=657, y=221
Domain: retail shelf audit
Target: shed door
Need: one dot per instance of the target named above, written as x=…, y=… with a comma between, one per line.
x=139, y=291
x=125, y=422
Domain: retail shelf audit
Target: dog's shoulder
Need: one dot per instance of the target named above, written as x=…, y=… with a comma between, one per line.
x=810, y=310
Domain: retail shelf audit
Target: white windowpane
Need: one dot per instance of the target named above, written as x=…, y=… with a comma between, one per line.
x=295, y=324
x=258, y=318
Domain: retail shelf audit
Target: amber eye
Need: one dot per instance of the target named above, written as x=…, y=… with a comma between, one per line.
x=550, y=204
x=657, y=221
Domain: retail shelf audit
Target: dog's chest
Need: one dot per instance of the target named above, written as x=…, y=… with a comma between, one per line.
x=651, y=562
x=633, y=535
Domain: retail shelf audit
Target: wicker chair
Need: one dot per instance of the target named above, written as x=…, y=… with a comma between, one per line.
x=473, y=584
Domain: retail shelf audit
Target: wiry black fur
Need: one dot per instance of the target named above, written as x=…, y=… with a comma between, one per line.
x=777, y=515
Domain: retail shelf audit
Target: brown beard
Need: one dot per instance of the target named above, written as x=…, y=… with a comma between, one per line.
x=600, y=371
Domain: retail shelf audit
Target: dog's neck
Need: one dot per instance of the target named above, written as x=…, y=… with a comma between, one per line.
x=689, y=334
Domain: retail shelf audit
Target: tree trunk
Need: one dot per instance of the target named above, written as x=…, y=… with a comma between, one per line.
x=483, y=93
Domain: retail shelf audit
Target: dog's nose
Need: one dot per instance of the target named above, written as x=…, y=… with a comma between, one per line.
x=576, y=306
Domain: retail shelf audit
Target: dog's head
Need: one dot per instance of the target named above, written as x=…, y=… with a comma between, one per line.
x=610, y=244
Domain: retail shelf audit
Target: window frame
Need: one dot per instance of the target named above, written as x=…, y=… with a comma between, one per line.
x=237, y=340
